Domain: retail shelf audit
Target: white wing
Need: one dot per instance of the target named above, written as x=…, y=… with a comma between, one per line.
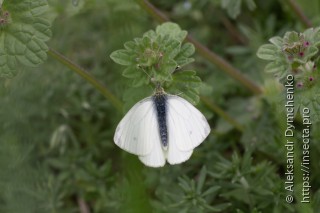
x=137, y=132
x=175, y=155
x=187, y=127
x=156, y=157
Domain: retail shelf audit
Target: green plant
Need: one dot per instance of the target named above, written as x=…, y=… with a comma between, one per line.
x=56, y=132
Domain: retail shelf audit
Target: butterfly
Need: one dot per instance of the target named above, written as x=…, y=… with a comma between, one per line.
x=162, y=128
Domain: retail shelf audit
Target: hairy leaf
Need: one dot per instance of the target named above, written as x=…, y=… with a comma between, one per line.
x=23, y=35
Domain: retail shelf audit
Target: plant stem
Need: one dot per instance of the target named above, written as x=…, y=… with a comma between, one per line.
x=88, y=77
x=225, y=66
x=205, y=52
x=221, y=113
x=235, y=34
x=298, y=11
x=83, y=206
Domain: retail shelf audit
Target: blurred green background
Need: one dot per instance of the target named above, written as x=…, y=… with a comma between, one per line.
x=57, y=152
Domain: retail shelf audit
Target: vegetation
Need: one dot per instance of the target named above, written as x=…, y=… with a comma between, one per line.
x=69, y=70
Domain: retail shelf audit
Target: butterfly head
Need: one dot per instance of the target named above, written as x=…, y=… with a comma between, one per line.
x=159, y=89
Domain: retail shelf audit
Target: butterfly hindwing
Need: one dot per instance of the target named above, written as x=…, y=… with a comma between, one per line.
x=156, y=158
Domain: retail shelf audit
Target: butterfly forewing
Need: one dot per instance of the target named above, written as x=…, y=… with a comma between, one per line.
x=137, y=132
x=186, y=124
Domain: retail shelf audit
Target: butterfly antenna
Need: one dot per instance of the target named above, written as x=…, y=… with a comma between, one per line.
x=142, y=68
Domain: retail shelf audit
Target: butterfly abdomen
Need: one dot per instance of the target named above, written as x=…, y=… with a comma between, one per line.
x=160, y=103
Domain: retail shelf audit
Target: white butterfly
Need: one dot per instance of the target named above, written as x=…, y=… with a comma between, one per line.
x=162, y=127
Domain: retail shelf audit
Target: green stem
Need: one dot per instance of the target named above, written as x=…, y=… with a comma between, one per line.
x=215, y=108
x=205, y=52
x=235, y=34
x=298, y=11
x=88, y=77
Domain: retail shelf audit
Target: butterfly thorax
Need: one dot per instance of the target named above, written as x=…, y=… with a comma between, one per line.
x=160, y=103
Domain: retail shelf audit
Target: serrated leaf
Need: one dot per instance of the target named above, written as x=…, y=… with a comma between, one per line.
x=131, y=72
x=291, y=37
x=24, y=36
x=277, y=40
x=186, y=50
x=146, y=42
x=171, y=48
x=187, y=84
x=122, y=57
x=151, y=34
x=309, y=34
x=316, y=36
x=173, y=30
x=268, y=52
x=311, y=51
x=166, y=69
x=191, y=95
x=130, y=45
x=137, y=82
x=275, y=67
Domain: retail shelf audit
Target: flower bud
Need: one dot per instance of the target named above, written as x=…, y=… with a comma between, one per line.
x=300, y=84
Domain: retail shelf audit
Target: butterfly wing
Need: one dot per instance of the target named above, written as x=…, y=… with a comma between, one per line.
x=187, y=128
x=138, y=134
x=155, y=158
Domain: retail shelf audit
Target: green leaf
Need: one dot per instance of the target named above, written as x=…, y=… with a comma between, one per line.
x=137, y=82
x=173, y=30
x=309, y=98
x=251, y=4
x=233, y=7
x=186, y=84
x=202, y=178
x=157, y=55
x=151, y=34
x=122, y=57
x=211, y=190
x=186, y=50
x=24, y=35
x=268, y=52
x=275, y=67
x=311, y=51
x=130, y=45
x=166, y=69
x=277, y=40
x=291, y=37
x=132, y=72
x=184, y=185
x=169, y=47
x=135, y=94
